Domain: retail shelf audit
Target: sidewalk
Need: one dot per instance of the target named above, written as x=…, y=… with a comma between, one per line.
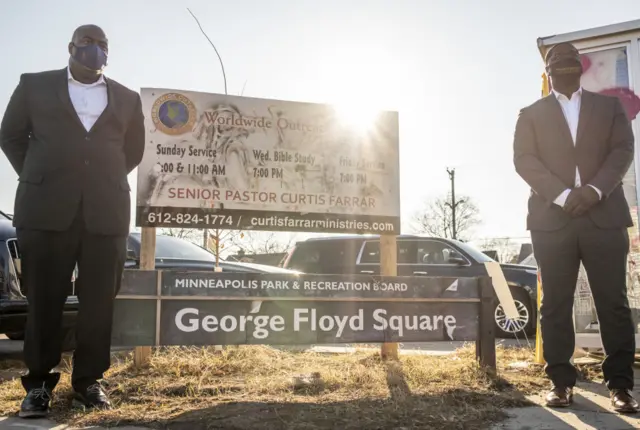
x=591, y=410
x=17, y=424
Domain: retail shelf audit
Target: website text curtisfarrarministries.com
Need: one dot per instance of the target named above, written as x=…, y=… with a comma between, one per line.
x=189, y=320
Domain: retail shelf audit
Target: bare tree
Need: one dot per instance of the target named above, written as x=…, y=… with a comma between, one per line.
x=190, y=234
x=227, y=240
x=505, y=248
x=436, y=218
x=264, y=242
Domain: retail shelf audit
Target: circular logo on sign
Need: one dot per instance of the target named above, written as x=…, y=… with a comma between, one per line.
x=173, y=114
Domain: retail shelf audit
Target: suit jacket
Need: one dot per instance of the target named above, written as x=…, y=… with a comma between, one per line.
x=61, y=165
x=546, y=158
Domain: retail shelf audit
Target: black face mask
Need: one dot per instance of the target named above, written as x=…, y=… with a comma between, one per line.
x=92, y=57
x=565, y=74
x=565, y=67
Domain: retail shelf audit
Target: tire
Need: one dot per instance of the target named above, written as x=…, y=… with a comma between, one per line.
x=522, y=328
x=68, y=339
x=16, y=335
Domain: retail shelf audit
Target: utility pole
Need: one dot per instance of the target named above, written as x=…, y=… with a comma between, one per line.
x=453, y=204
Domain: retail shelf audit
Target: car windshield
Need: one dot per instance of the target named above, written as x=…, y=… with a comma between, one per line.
x=476, y=254
x=529, y=261
x=257, y=267
x=173, y=247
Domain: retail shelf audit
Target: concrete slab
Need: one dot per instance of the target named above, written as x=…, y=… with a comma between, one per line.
x=351, y=350
x=21, y=424
x=591, y=410
x=425, y=348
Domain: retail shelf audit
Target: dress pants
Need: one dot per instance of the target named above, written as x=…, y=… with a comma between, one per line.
x=603, y=252
x=48, y=261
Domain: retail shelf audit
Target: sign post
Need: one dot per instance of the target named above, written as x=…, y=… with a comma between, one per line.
x=142, y=354
x=389, y=267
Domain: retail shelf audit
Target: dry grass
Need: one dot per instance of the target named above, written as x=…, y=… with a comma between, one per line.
x=264, y=388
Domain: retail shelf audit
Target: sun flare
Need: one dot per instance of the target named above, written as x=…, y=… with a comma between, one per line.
x=360, y=117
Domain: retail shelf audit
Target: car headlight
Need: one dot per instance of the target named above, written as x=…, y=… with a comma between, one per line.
x=532, y=272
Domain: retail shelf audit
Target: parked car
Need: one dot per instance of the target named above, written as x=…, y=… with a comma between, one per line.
x=530, y=261
x=175, y=253
x=171, y=253
x=420, y=256
x=13, y=303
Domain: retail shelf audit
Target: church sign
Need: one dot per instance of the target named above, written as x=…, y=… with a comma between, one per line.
x=228, y=162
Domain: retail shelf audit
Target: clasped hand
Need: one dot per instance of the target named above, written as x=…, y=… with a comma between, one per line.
x=580, y=200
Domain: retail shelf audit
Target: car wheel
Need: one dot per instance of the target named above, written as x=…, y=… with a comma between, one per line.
x=521, y=327
x=16, y=335
x=68, y=339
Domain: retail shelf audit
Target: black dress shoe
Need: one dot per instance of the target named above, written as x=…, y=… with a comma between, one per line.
x=91, y=397
x=36, y=403
x=559, y=397
x=622, y=401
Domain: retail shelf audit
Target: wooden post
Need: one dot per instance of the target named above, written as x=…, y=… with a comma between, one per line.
x=142, y=354
x=486, y=342
x=389, y=267
x=218, y=250
x=539, y=359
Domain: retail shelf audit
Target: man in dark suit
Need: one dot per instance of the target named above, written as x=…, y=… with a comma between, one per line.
x=72, y=136
x=573, y=148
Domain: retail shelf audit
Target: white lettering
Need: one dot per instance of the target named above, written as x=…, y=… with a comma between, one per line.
x=402, y=324
x=450, y=321
x=356, y=322
x=298, y=318
x=193, y=322
x=342, y=323
x=259, y=323
x=228, y=323
x=379, y=317
x=425, y=323
x=395, y=322
x=210, y=323
x=326, y=323
x=277, y=323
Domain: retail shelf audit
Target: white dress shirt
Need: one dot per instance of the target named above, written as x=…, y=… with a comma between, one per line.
x=571, y=111
x=89, y=100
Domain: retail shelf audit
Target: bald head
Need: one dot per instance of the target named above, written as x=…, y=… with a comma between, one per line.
x=89, y=49
x=90, y=33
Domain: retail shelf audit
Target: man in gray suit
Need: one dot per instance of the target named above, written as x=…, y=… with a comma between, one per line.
x=72, y=136
x=573, y=148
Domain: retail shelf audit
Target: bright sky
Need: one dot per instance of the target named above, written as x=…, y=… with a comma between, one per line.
x=456, y=70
